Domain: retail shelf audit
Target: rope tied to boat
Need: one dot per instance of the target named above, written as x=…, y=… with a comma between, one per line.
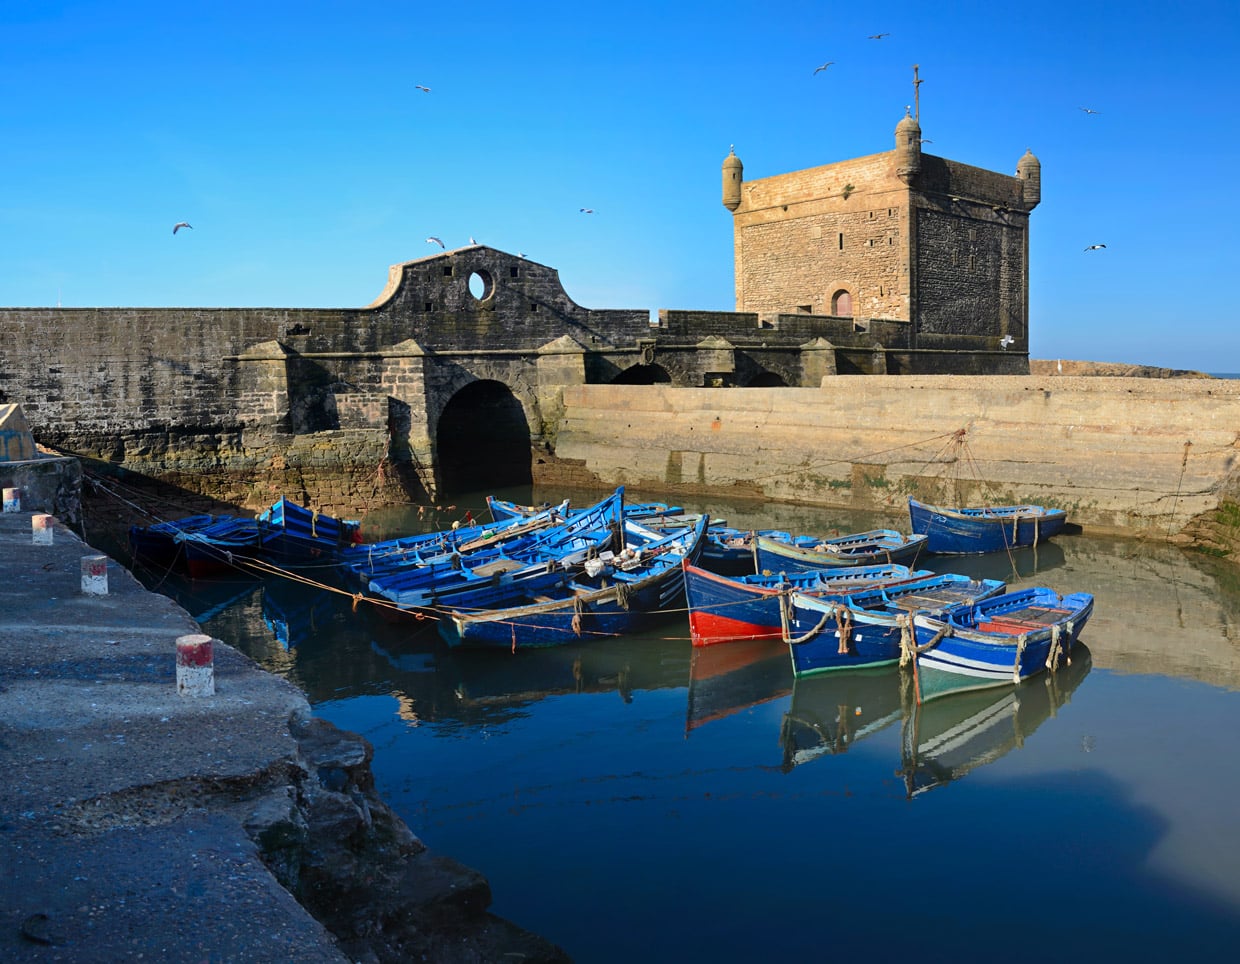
x=314, y=523
x=907, y=649
x=1054, y=654
x=624, y=593
x=579, y=607
x=1021, y=643
x=357, y=598
x=827, y=614
x=1068, y=628
x=843, y=627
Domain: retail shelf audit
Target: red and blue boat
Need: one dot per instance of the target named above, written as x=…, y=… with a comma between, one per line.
x=724, y=609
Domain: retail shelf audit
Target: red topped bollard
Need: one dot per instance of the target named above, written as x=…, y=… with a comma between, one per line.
x=195, y=665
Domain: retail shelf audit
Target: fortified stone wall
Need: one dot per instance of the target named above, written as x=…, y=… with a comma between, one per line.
x=1137, y=455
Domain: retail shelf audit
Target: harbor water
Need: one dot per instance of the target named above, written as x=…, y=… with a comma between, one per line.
x=638, y=799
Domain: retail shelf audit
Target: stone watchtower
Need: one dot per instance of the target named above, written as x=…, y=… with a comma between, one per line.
x=903, y=236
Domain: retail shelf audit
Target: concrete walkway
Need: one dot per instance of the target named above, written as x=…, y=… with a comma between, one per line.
x=122, y=803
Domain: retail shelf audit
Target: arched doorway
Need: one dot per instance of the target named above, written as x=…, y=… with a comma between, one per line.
x=483, y=441
x=642, y=375
x=766, y=380
x=841, y=304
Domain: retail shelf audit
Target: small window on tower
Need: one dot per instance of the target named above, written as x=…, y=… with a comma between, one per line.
x=841, y=242
x=429, y=306
x=447, y=271
x=514, y=272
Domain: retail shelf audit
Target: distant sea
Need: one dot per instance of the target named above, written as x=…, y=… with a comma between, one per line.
x=1224, y=374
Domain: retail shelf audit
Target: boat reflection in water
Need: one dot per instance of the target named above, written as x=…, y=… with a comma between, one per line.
x=941, y=740
x=830, y=712
x=730, y=678
x=945, y=739
x=294, y=612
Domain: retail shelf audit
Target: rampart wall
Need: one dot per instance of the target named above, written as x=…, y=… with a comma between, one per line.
x=1145, y=456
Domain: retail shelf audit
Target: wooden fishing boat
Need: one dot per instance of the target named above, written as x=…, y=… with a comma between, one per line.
x=985, y=528
x=292, y=535
x=479, y=578
x=616, y=594
x=220, y=548
x=157, y=546
x=798, y=553
x=358, y=565
x=870, y=627
x=947, y=738
x=729, y=551
x=997, y=641
x=502, y=509
x=725, y=609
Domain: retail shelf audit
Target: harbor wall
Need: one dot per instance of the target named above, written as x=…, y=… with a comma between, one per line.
x=1141, y=456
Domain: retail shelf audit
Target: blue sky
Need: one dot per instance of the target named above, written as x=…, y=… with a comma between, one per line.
x=292, y=136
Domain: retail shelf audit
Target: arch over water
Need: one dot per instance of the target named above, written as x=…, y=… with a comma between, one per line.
x=642, y=375
x=483, y=440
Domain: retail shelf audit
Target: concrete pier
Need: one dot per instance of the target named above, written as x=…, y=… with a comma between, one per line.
x=138, y=824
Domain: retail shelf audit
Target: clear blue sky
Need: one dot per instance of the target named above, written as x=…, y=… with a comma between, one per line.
x=292, y=136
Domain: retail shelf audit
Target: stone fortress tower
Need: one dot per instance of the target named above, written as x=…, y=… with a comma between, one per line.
x=902, y=236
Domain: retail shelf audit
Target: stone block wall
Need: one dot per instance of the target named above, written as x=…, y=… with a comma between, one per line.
x=1121, y=454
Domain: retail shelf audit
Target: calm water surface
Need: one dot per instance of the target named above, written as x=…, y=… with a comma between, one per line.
x=639, y=800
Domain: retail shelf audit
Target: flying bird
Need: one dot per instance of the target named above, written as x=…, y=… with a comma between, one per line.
x=1088, y=111
x=878, y=36
x=181, y=224
x=434, y=240
x=824, y=66
x=425, y=90
x=587, y=210
x=1095, y=247
x=1006, y=340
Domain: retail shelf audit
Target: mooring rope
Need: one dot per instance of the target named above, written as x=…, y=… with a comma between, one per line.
x=1056, y=651
x=843, y=627
x=1020, y=650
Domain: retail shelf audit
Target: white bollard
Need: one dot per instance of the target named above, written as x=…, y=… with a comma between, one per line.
x=12, y=500
x=41, y=529
x=195, y=666
x=95, y=575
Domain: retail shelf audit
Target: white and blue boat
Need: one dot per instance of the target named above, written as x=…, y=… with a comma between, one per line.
x=871, y=627
x=997, y=641
x=781, y=552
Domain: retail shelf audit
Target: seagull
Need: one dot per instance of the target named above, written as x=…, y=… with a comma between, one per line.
x=1007, y=340
x=587, y=210
x=824, y=66
x=1088, y=111
x=181, y=224
x=877, y=36
x=425, y=90
x=1095, y=247
x=434, y=240
x=471, y=240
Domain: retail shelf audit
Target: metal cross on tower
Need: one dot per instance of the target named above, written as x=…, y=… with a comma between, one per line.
x=916, y=95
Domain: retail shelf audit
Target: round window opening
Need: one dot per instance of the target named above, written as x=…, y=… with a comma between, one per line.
x=480, y=285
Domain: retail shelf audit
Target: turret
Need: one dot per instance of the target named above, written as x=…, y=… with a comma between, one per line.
x=1029, y=172
x=908, y=147
x=733, y=174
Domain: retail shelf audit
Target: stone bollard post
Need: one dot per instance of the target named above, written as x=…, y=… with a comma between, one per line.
x=41, y=529
x=95, y=575
x=12, y=500
x=195, y=666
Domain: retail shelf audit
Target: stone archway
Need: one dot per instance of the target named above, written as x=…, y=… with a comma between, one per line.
x=841, y=304
x=642, y=375
x=482, y=441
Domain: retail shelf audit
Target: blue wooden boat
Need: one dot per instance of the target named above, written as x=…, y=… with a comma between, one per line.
x=479, y=578
x=292, y=535
x=616, y=595
x=871, y=627
x=157, y=546
x=725, y=609
x=983, y=529
x=783, y=553
x=503, y=509
x=997, y=641
x=221, y=547
x=358, y=565
x=729, y=551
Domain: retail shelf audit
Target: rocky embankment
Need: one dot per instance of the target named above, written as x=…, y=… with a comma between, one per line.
x=1063, y=366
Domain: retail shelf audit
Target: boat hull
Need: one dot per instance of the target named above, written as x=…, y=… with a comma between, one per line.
x=996, y=642
x=967, y=531
x=885, y=547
